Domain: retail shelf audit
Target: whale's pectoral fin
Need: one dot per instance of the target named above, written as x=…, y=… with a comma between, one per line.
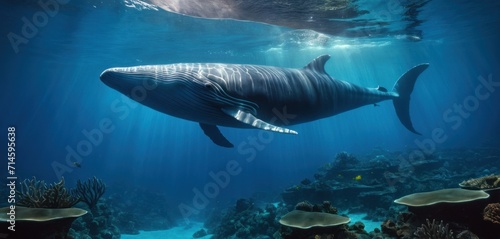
x=250, y=119
x=215, y=135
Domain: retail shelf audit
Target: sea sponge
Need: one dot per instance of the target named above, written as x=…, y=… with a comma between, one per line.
x=492, y=213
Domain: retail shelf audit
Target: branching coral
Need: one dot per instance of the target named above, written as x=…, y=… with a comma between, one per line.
x=492, y=213
x=433, y=230
x=90, y=191
x=344, y=159
x=36, y=194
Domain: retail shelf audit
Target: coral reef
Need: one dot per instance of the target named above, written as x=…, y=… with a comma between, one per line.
x=459, y=207
x=467, y=213
x=314, y=221
x=385, y=176
x=482, y=183
x=434, y=230
x=135, y=209
x=305, y=206
x=492, y=213
x=370, y=183
x=318, y=221
x=305, y=181
x=344, y=160
x=99, y=224
x=402, y=227
x=125, y=211
x=251, y=222
x=37, y=194
x=408, y=226
x=200, y=233
x=90, y=191
x=243, y=204
x=358, y=228
x=326, y=207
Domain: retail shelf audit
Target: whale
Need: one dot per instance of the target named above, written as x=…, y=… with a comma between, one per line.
x=254, y=96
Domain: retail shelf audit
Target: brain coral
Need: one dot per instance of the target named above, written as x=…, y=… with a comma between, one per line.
x=492, y=213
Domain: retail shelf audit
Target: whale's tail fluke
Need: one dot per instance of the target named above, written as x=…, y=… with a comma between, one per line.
x=404, y=87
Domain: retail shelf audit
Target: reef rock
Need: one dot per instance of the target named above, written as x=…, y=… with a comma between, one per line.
x=492, y=213
x=244, y=220
x=200, y=233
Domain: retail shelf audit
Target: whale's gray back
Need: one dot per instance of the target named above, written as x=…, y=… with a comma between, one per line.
x=308, y=93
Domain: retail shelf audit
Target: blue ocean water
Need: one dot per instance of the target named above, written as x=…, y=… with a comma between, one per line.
x=62, y=112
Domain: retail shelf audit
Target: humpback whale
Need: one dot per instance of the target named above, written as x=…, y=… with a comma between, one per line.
x=251, y=96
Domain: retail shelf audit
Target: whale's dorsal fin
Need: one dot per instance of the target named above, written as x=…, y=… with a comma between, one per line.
x=250, y=119
x=215, y=135
x=380, y=88
x=318, y=64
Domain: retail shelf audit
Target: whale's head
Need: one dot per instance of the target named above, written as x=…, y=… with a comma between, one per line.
x=177, y=90
x=136, y=80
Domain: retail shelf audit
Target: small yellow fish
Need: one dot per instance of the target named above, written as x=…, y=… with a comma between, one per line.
x=357, y=178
